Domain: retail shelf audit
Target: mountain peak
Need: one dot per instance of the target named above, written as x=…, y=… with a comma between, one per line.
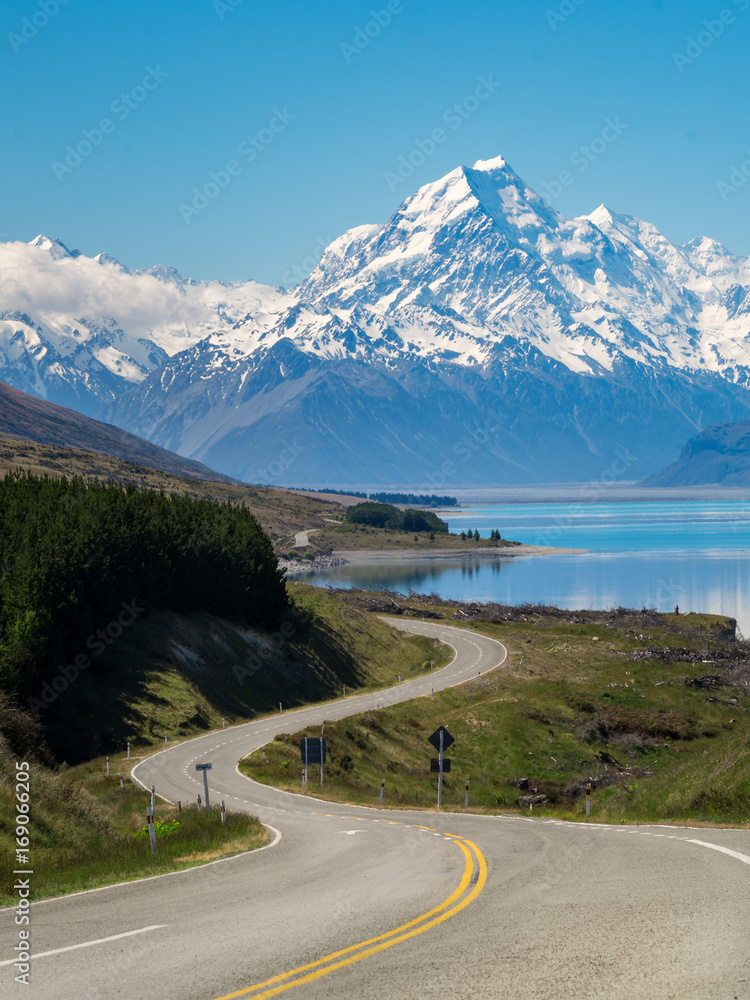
x=600, y=215
x=488, y=166
x=105, y=258
x=56, y=248
x=164, y=272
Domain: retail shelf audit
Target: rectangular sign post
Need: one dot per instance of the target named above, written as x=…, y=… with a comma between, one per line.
x=205, y=768
x=440, y=775
x=441, y=739
x=313, y=750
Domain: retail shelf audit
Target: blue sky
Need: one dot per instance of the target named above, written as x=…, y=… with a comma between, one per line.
x=115, y=114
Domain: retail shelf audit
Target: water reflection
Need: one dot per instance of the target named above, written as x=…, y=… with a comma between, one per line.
x=420, y=575
x=695, y=554
x=717, y=582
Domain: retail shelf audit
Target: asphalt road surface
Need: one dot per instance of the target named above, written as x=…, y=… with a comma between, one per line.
x=357, y=903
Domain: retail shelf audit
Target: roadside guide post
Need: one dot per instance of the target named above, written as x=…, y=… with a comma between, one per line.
x=466, y=803
x=223, y=813
x=107, y=766
x=588, y=798
x=151, y=828
x=205, y=768
x=382, y=789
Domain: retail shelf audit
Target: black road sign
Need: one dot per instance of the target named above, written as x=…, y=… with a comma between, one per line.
x=435, y=738
x=435, y=764
x=316, y=750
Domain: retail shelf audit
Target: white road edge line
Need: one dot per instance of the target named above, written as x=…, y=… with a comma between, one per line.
x=89, y=944
x=724, y=850
x=150, y=878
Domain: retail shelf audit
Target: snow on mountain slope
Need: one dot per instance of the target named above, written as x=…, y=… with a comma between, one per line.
x=588, y=292
x=577, y=335
x=80, y=329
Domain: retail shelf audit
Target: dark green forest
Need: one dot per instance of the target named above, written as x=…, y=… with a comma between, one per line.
x=80, y=560
x=383, y=515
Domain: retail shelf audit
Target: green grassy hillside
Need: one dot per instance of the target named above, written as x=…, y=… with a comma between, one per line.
x=281, y=512
x=86, y=831
x=180, y=674
x=656, y=738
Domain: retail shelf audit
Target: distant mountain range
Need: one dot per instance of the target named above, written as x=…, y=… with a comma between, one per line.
x=32, y=419
x=478, y=336
x=718, y=456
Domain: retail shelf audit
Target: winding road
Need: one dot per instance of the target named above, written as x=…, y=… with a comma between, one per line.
x=358, y=903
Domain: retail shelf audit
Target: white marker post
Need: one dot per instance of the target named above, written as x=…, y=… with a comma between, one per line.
x=107, y=766
x=151, y=828
x=165, y=737
x=382, y=789
x=588, y=798
x=281, y=710
x=153, y=798
x=223, y=724
x=122, y=783
x=128, y=749
x=223, y=813
x=466, y=801
x=199, y=805
x=304, y=780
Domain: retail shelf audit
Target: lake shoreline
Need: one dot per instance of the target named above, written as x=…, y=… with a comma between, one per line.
x=360, y=557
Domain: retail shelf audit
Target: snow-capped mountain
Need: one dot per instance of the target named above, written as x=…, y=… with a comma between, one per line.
x=477, y=336
x=78, y=330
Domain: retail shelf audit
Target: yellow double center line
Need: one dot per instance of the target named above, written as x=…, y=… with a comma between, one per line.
x=457, y=901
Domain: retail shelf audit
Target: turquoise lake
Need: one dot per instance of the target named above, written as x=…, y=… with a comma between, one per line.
x=695, y=555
